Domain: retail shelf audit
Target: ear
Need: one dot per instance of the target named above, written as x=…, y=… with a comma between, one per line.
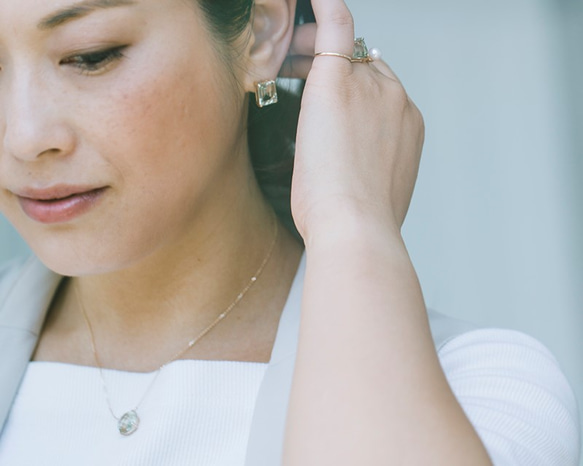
x=271, y=34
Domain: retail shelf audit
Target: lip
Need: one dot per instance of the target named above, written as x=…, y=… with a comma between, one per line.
x=58, y=204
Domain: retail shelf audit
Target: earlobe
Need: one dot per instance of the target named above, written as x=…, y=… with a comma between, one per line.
x=272, y=29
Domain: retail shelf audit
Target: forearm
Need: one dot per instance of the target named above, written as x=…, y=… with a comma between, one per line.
x=368, y=387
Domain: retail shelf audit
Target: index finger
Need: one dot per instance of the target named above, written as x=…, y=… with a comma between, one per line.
x=335, y=27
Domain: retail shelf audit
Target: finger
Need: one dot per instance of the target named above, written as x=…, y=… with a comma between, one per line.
x=296, y=67
x=335, y=28
x=304, y=40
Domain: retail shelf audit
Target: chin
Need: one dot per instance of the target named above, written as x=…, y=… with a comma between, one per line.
x=74, y=265
x=81, y=256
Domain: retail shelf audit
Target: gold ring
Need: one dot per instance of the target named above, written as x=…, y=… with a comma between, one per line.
x=360, y=54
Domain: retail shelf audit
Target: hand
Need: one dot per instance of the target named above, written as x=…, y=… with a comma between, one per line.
x=359, y=137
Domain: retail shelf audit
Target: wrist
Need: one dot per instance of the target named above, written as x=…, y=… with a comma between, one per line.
x=355, y=232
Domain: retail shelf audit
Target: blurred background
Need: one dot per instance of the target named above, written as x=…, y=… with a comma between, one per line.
x=496, y=224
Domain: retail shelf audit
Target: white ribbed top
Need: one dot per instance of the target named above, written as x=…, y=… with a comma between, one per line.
x=197, y=413
x=515, y=395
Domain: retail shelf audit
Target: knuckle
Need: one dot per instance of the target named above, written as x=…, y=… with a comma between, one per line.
x=401, y=96
x=417, y=118
x=421, y=124
x=417, y=125
x=364, y=88
x=375, y=89
x=398, y=95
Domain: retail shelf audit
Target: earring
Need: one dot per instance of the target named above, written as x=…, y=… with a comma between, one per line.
x=265, y=93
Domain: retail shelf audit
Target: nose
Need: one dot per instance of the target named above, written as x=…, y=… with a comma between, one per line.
x=34, y=121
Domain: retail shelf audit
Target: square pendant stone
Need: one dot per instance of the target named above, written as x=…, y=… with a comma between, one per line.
x=360, y=49
x=266, y=93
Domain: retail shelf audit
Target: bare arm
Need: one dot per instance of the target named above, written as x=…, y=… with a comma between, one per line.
x=368, y=388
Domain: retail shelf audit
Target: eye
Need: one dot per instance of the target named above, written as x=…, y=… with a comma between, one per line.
x=95, y=62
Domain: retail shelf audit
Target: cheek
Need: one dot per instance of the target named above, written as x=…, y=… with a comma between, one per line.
x=162, y=120
x=162, y=138
x=172, y=120
x=165, y=142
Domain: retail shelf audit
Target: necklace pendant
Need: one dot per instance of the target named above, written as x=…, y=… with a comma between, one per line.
x=128, y=423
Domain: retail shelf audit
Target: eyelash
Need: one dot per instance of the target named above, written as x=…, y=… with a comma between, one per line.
x=95, y=62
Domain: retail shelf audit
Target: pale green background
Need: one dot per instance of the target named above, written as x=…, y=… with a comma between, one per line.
x=496, y=224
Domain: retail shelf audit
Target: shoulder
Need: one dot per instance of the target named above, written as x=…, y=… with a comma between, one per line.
x=26, y=289
x=10, y=272
x=514, y=392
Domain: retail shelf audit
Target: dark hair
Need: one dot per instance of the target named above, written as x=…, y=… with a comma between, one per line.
x=271, y=130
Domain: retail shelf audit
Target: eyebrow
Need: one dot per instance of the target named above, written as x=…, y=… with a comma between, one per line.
x=78, y=10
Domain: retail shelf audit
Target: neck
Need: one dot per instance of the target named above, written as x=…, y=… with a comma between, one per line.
x=150, y=310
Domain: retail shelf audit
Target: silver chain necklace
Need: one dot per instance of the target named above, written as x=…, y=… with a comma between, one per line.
x=129, y=422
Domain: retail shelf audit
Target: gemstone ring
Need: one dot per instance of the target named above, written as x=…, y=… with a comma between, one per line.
x=360, y=54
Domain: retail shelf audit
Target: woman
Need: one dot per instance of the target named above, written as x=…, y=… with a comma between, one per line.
x=126, y=166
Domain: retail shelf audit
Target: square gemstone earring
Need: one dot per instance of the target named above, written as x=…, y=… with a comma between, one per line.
x=265, y=93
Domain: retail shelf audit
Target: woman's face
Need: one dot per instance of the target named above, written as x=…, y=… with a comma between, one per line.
x=118, y=128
